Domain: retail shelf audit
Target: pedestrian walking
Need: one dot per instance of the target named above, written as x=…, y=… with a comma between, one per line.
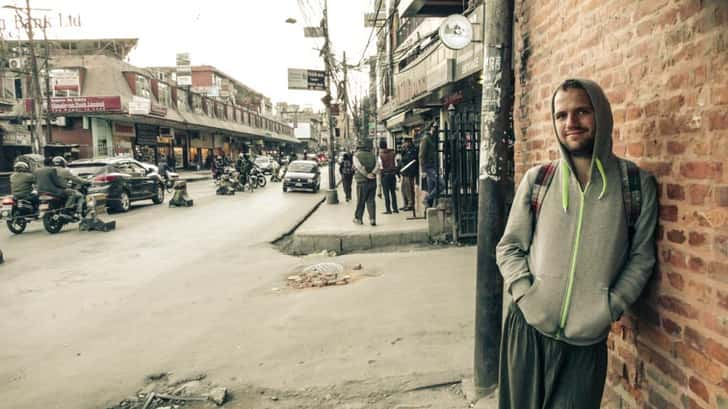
x=346, y=170
x=428, y=162
x=408, y=172
x=389, y=177
x=366, y=168
x=577, y=251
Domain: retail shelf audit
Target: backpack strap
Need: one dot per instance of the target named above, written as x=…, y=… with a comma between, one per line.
x=541, y=186
x=631, y=194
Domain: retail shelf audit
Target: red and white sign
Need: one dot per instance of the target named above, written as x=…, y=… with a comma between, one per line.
x=80, y=104
x=65, y=79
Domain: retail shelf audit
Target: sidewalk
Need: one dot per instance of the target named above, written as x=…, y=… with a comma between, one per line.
x=331, y=228
x=194, y=175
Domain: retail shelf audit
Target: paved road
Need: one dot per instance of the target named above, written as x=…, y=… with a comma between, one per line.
x=84, y=317
x=76, y=301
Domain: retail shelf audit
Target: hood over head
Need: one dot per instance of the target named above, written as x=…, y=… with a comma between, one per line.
x=602, y=116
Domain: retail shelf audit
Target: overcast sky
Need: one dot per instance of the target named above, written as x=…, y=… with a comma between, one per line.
x=249, y=40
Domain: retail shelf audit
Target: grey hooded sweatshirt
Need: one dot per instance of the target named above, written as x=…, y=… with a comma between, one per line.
x=574, y=271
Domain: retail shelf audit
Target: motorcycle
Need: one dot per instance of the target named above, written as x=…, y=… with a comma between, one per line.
x=226, y=183
x=52, y=209
x=19, y=212
x=277, y=173
x=257, y=177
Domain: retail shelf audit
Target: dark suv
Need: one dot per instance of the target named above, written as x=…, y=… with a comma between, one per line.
x=122, y=180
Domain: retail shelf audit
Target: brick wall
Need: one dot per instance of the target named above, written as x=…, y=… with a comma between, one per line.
x=75, y=134
x=664, y=67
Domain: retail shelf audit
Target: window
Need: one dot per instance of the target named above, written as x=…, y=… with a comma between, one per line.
x=163, y=94
x=9, y=88
x=65, y=82
x=197, y=104
x=143, y=88
x=182, y=100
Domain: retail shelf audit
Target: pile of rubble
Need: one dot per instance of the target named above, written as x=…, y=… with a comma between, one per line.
x=165, y=391
x=319, y=275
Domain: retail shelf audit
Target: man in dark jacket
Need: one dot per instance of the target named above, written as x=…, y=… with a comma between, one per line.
x=428, y=162
x=50, y=181
x=408, y=173
x=389, y=177
x=366, y=166
x=69, y=180
x=346, y=169
x=22, y=181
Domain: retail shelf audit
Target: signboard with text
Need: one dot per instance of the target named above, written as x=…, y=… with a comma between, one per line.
x=139, y=106
x=306, y=79
x=80, y=104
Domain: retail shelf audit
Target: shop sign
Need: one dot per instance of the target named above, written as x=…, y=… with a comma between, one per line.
x=469, y=61
x=16, y=139
x=306, y=79
x=122, y=129
x=411, y=83
x=452, y=99
x=157, y=109
x=440, y=73
x=146, y=134
x=80, y=104
x=140, y=106
x=65, y=80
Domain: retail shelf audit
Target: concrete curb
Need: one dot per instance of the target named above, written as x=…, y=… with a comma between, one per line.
x=302, y=244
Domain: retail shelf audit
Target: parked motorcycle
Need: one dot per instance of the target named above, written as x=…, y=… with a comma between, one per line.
x=52, y=209
x=226, y=183
x=19, y=212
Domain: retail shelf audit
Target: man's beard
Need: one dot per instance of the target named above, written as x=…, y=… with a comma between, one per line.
x=585, y=151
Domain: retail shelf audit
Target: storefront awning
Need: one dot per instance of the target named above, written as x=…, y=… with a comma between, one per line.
x=396, y=122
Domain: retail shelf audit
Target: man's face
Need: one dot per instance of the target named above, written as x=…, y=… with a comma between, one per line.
x=575, y=122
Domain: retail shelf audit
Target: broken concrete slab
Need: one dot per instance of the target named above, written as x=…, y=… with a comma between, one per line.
x=354, y=242
x=218, y=395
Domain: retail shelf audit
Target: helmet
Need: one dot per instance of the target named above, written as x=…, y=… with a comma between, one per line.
x=59, y=161
x=21, y=167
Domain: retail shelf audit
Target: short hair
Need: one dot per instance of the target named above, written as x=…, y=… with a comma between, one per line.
x=383, y=144
x=571, y=84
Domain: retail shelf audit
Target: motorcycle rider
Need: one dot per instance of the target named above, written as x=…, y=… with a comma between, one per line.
x=218, y=166
x=246, y=166
x=22, y=181
x=54, y=180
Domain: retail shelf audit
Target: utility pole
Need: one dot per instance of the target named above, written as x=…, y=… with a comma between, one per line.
x=495, y=188
x=346, y=104
x=332, y=196
x=37, y=105
x=49, y=131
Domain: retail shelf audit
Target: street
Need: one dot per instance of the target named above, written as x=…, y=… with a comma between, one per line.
x=86, y=316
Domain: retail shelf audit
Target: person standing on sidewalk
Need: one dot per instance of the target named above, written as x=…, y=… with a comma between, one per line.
x=367, y=167
x=389, y=177
x=578, y=249
x=428, y=162
x=346, y=169
x=408, y=173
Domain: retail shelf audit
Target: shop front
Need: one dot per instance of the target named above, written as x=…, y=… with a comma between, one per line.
x=15, y=142
x=145, y=145
x=122, y=139
x=101, y=137
x=200, y=149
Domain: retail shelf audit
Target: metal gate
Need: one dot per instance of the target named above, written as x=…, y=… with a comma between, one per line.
x=461, y=163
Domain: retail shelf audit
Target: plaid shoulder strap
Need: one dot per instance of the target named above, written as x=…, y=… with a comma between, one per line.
x=541, y=186
x=631, y=193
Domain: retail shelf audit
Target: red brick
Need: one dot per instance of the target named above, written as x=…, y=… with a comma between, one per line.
x=699, y=389
x=720, y=244
x=676, y=236
x=701, y=170
x=722, y=299
x=675, y=192
x=696, y=264
x=671, y=327
x=668, y=213
x=677, y=306
x=717, y=324
x=665, y=365
x=658, y=169
x=721, y=196
x=675, y=148
x=720, y=95
x=673, y=104
x=676, y=280
x=658, y=401
x=652, y=109
x=717, y=120
x=698, y=193
x=636, y=149
x=678, y=81
x=696, y=239
x=710, y=370
x=689, y=403
x=718, y=271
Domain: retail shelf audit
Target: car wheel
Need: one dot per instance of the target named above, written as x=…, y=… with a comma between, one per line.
x=159, y=197
x=316, y=189
x=122, y=204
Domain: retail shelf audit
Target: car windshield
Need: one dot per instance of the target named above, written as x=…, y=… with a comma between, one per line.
x=302, y=167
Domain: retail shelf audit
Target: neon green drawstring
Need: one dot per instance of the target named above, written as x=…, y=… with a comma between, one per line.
x=564, y=186
x=604, y=178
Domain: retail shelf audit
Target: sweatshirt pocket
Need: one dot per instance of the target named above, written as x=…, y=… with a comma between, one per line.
x=539, y=306
x=589, y=317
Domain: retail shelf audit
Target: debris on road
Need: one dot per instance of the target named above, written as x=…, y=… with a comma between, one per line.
x=319, y=275
x=164, y=390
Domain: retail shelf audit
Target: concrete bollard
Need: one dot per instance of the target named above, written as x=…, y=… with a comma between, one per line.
x=180, y=197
